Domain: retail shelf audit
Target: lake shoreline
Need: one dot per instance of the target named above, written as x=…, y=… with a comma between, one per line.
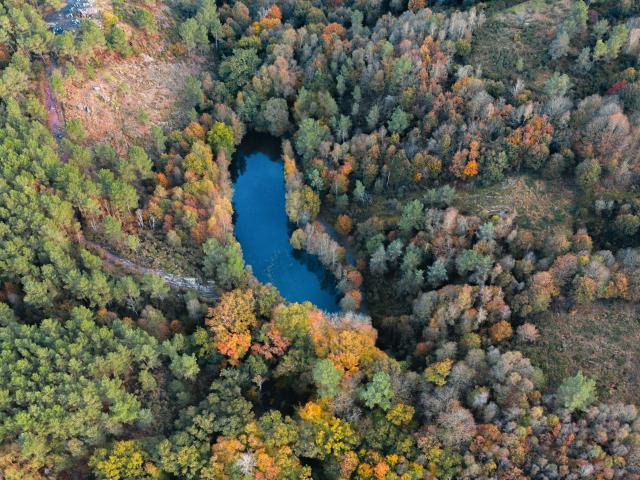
x=263, y=229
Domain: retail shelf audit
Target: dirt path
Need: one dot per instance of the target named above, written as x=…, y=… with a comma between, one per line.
x=56, y=123
x=206, y=289
x=55, y=110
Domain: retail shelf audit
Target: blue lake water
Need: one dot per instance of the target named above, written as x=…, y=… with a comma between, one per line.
x=263, y=229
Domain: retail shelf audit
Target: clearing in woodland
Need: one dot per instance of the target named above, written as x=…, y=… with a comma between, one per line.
x=124, y=100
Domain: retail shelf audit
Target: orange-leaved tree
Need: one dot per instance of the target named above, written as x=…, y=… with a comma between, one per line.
x=231, y=321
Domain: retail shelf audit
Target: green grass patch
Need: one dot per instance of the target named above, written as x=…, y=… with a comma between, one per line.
x=537, y=203
x=598, y=339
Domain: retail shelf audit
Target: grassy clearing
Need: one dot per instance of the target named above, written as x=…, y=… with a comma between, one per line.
x=538, y=203
x=513, y=43
x=527, y=7
x=598, y=339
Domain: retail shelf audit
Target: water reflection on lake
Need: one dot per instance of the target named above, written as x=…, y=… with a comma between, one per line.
x=263, y=229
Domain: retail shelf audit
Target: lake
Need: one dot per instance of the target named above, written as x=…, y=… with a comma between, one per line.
x=263, y=228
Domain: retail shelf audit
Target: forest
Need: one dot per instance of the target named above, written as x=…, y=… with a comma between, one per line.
x=466, y=173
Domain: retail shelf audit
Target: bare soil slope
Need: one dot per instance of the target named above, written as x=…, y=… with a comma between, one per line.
x=125, y=99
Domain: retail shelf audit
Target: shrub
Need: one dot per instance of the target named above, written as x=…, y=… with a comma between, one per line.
x=577, y=393
x=501, y=331
x=145, y=20
x=528, y=332
x=588, y=174
x=438, y=372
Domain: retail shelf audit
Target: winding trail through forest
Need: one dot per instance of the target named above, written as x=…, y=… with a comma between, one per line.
x=206, y=289
x=56, y=123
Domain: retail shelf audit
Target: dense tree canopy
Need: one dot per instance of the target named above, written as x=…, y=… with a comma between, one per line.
x=135, y=343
